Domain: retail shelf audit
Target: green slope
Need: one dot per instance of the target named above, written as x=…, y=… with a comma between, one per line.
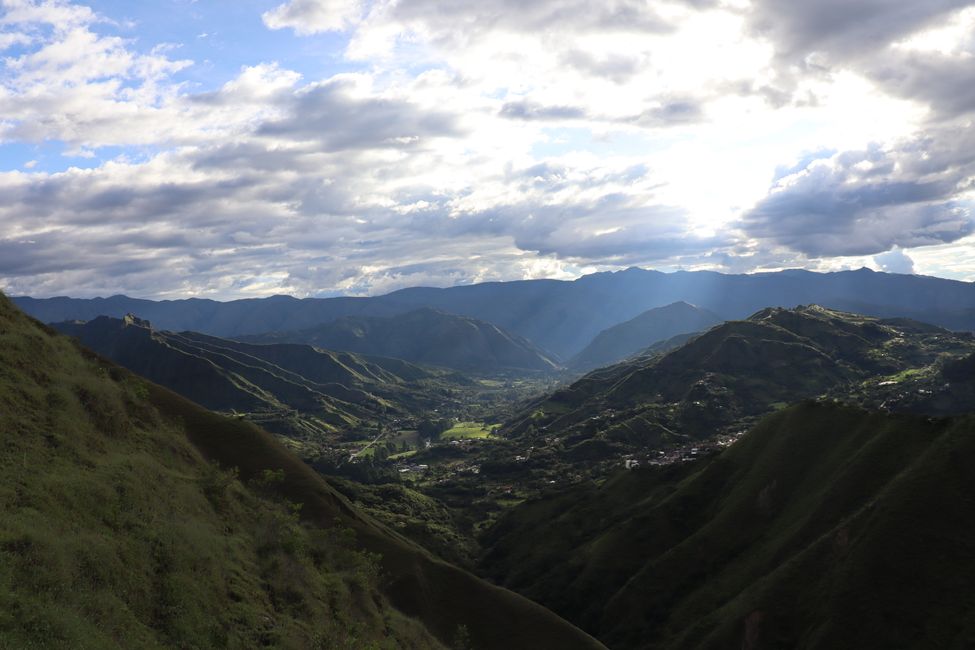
x=738, y=371
x=119, y=530
x=295, y=390
x=825, y=527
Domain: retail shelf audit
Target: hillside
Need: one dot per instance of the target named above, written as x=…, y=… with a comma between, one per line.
x=121, y=530
x=725, y=378
x=560, y=316
x=295, y=390
x=637, y=334
x=824, y=527
x=425, y=336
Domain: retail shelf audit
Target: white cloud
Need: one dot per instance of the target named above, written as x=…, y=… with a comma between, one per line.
x=314, y=16
x=895, y=261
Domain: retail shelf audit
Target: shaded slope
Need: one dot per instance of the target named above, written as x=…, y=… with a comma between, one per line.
x=424, y=336
x=559, y=316
x=638, y=334
x=117, y=533
x=825, y=527
x=285, y=387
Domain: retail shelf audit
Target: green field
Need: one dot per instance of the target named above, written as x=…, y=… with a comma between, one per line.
x=468, y=430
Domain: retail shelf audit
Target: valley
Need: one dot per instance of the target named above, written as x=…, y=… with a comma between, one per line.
x=547, y=325
x=584, y=491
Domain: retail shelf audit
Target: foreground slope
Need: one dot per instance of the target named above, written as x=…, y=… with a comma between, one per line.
x=825, y=527
x=637, y=334
x=424, y=336
x=119, y=531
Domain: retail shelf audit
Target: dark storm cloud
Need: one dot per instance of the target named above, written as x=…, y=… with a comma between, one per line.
x=328, y=114
x=865, y=202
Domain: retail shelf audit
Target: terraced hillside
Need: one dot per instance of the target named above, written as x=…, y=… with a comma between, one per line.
x=133, y=517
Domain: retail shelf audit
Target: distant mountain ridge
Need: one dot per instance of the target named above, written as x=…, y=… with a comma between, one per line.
x=333, y=390
x=640, y=333
x=560, y=316
x=425, y=336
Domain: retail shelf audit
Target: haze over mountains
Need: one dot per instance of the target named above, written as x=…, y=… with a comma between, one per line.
x=424, y=336
x=640, y=333
x=559, y=316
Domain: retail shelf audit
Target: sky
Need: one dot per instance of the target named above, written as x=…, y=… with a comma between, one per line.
x=244, y=148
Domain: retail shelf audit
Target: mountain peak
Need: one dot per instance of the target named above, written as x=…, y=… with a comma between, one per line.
x=131, y=320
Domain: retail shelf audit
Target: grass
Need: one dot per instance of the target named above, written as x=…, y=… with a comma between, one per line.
x=131, y=517
x=116, y=532
x=463, y=430
x=403, y=454
x=904, y=375
x=844, y=528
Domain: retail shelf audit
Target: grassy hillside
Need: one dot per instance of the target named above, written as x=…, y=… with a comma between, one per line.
x=306, y=394
x=825, y=527
x=738, y=371
x=134, y=518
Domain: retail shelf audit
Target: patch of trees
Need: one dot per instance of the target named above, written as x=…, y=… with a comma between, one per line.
x=432, y=429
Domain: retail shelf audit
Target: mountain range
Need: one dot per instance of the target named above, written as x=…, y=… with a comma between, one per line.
x=558, y=316
x=424, y=336
x=723, y=379
x=295, y=390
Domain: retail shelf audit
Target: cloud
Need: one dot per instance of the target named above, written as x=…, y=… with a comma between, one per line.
x=895, y=261
x=330, y=114
x=837, y=31
x=877, y=39
x=865, y=202
x=944, y=82
x=314, y=16
x=488, y=140
x=81, y=87
x=525, y=110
